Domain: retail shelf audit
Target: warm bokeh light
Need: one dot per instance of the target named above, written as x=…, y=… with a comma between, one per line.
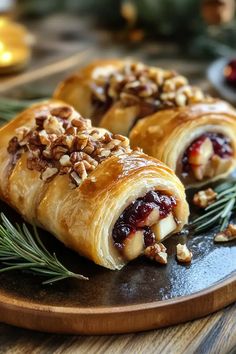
x=5, y=57
x=14, y=49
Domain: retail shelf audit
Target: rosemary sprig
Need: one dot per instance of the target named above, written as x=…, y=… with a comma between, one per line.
x=21, y=250
x=9, y=108
x=219, y=212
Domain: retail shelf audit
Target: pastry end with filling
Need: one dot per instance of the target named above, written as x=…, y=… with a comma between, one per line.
x=208, y=156
x=146, y=221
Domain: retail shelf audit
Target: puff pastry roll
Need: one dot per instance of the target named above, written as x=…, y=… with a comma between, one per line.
x=93, y=92
x=198, y=141
x=192, y=133
x=116, y=93
x=86, y=186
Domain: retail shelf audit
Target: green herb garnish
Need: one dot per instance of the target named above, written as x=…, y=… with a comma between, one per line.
x=9, y=108
x=19, y=249
x=219, y=212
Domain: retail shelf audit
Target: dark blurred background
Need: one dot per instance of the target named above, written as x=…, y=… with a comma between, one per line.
x=203, y=27
x=42, y=41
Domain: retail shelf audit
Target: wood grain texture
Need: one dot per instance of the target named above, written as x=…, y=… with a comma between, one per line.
x=215, y=334
x=122, y=319
x=42, y=72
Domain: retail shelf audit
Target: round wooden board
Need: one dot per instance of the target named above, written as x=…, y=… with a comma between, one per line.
x=143, y=295
x=123, y=319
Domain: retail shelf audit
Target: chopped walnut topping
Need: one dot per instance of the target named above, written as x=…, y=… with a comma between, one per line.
x=65, y=160
x=76, y=178
x=75, y=150
x=80, y=169
x=62, y=112
x=227, y=235
x=44, y=138
x=204, y=198
x=48, y=173
x=53, y=125
x=157, y=252
x=13, y=145
x=79, y=124
x=22, y=132
x=183, y=254
x=135, y=83
x=39, y=119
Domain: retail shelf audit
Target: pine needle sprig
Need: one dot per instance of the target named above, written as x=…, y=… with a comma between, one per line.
x=219, y=212
x=9, y=108
x=19, y=249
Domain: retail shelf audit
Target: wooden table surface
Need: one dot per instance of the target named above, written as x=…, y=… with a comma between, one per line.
x=215, y=334
x=53, y=58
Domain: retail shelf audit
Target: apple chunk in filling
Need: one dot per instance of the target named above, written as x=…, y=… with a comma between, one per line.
x=164, y=227
x=134, y=245
x=208, y=156
x=137, y=227
x=202, y=153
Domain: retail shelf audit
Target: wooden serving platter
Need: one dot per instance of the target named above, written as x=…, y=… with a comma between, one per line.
x=142, y=296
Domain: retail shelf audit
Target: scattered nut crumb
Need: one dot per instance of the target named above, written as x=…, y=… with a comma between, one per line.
x=65, y=160
x=183, y=253
x=53, y=126
x=62, y=112
x=204, y=198
x=22, y=132
x=48, y=173
x=227, y=235
x=63, y=142
x=157, y=252
x=161, y=258
x=43, y=136
x=156, y=87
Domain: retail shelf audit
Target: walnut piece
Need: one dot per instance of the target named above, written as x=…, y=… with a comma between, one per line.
x=204, y=198
x=135, y=82
x=157, y=253
x=64, y=142
x=22, y=132
x=62, y=112
x=227, y=235
x=65, y=160
x=53, y=125
x=183, y=254
x=48, y=173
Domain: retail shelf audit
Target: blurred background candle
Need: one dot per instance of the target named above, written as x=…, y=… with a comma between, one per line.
x=15, y=50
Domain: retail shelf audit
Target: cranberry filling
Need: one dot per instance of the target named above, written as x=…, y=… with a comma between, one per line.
x=137, y=212
x=149, y=237
x=221, y=146
x=230, y=73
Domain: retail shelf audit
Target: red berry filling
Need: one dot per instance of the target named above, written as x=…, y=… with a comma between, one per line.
x=137, y=212
x=221, y=146
x=230, y=73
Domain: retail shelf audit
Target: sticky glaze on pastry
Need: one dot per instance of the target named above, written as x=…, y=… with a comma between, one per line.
x=162, y=113
x=86, y=186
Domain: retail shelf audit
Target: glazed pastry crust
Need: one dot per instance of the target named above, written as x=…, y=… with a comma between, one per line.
x=116, y=93
x=167, y=134
x=80, y=217
x=76, y=90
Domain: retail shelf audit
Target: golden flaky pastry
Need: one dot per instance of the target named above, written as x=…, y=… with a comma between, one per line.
x=161, y=112
x=86, y=186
